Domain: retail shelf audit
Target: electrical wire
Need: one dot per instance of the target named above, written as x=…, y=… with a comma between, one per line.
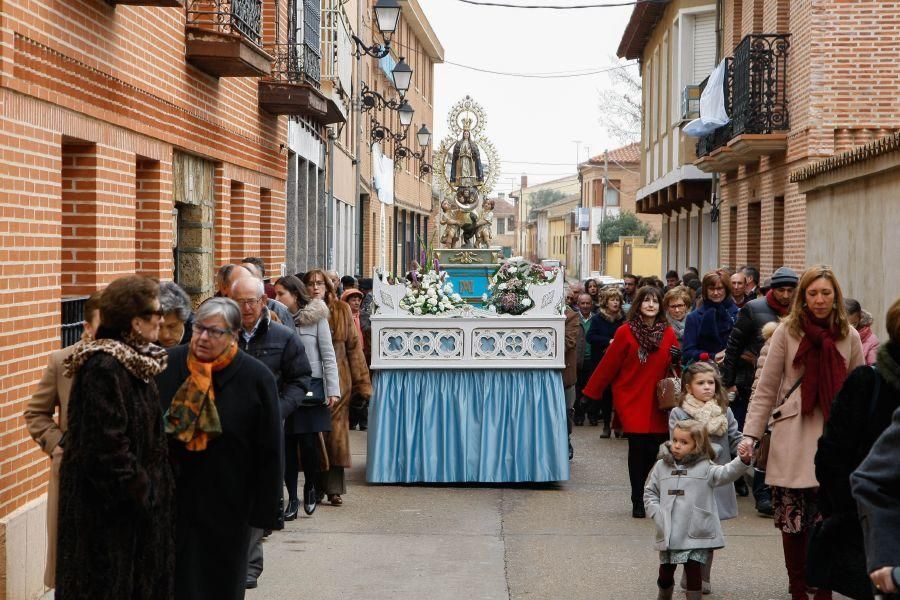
x=562, y=74
x=563, y=7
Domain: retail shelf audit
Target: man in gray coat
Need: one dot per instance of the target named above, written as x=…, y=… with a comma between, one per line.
x=876, y=488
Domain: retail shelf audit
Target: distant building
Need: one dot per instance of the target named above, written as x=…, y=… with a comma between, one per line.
x=609, y=199
x=675, y=43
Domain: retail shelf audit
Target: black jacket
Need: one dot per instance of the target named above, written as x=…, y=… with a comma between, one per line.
x=746, y=336
x=600, y=334
x=232, y=485
x=281, y=350
x=876, y=485
x=857, y=419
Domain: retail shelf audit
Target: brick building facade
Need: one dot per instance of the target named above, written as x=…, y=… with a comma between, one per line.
x=807, y=80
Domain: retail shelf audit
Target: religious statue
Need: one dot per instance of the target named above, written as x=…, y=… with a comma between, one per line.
x=449, y=225
x=484, y=234
x=465, y=166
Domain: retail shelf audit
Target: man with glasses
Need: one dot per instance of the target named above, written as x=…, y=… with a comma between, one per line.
x=744, y=345
x=281, y=350
x=229, y=274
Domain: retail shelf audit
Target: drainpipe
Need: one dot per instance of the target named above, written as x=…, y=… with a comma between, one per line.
x=357, y=151
x=329, y=209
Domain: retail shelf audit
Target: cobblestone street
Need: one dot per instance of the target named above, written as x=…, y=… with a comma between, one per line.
x=572, y=541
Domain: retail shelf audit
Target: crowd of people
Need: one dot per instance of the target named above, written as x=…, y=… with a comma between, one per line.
x=178, y=428
x=785, y=375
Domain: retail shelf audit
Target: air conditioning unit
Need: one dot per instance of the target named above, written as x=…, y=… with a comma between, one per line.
x=690, y=102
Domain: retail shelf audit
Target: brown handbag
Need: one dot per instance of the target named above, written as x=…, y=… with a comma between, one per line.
x=667, y=391
x=765, y=442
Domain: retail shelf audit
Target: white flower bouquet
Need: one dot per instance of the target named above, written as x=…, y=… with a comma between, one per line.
x=508, y=289
x=430, y=293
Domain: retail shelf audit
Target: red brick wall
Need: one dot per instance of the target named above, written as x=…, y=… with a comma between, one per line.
x=841, y=93
x=94, y=99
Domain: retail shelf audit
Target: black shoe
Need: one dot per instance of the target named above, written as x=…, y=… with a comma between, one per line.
x=309, y=499
x=578, y=422
x=293, y=508
x=638, y=512
x=363, y=427
x=571, y=451
x=765, y=509
x=740, y=487
x=607, y=432
x=250, y=584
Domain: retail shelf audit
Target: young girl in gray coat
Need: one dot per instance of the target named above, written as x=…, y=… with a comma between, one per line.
x=680, y=499
x=705, y=400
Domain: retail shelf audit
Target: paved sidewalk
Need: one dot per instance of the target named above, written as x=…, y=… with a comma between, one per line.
x=575, y=540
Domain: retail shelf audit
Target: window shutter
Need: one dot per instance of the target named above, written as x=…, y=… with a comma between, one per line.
x=704, y=46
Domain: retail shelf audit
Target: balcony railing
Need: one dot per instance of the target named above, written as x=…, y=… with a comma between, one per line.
x=242, y=17
x=755, y=91
x=294, y=63
x=337, y=47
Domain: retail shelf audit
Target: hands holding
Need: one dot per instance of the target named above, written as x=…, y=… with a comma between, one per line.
x=332, y=400
x=746, y=444
x=745, y=453
x=883, y=580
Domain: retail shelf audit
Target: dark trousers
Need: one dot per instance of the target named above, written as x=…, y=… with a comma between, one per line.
x=642, y=451
x=586, y=406
x=297, y=447
x=761, y=491
x=359, y=416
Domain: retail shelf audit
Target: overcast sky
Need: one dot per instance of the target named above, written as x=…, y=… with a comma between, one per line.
x=528, y=119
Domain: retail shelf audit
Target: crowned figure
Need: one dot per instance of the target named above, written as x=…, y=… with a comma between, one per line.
x=465, y=164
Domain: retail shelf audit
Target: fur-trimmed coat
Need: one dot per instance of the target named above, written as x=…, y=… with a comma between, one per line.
x=354, y=376
x=116, y=498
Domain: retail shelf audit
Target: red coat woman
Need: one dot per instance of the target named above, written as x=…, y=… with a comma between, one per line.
x=639, y=356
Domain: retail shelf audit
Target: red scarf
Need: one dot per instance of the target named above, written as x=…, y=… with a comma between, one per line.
x=648, y=337
x=775, y=305
x=824, y=369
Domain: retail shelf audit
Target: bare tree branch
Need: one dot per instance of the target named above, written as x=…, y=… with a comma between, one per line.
x=620, y=105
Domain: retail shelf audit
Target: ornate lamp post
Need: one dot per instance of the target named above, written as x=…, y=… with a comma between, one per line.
x=387, y=14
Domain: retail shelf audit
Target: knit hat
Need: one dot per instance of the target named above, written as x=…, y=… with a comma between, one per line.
x=351, y=292
x=784, y=276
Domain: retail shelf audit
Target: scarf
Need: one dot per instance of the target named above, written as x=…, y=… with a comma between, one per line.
x=607, y=316
x=708, y=413
x=715, y=325
x=678, y=326
x=192, y=418
x=139, y=357
x=648, y=337
x=777, y=308
x=824, y=369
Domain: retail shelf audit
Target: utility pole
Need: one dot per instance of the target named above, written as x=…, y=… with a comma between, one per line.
x=603, y=210
x=357, y=150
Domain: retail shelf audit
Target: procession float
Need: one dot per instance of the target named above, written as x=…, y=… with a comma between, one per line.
x=467, y=351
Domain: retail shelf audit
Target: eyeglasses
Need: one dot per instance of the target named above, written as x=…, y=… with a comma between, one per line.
x=158, y=312
x=214, y=333
x=677, y=306
x=247, y=301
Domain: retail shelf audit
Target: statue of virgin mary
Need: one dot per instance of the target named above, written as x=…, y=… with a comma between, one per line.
x=465, y=165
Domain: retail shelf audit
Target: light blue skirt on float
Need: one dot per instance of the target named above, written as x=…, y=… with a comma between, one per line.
x=475, y=425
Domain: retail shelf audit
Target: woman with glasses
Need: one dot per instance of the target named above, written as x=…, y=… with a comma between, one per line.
x=706, y=329
x=115, y=496
x=354, y=378
x=225, y=437
x=677, y=303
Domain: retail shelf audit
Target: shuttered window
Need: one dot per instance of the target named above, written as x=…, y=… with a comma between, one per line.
x=704, y=45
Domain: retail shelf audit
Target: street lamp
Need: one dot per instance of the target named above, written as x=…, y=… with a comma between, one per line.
x=405, y=112
x=387, y=14
x=402, y=76
x=424, y=136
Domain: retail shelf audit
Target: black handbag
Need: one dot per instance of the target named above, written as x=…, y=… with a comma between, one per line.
x=315, y=395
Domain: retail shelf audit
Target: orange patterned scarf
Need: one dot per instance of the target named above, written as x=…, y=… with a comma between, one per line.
x=192, y=418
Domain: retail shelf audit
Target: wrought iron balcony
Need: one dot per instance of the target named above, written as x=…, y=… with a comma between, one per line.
x=224, y=36
x=179, y=3
x=293, y=88
x=755, y=99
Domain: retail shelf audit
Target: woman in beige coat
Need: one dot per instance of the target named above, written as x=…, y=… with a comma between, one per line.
x=809, y=357
x=53, y=391
x=354, y=376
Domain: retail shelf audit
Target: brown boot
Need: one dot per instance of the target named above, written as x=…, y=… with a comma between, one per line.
x=665, y=593
x=693, y=595
x=794, y=545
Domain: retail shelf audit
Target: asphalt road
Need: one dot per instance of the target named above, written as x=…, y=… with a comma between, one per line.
x=574, y=540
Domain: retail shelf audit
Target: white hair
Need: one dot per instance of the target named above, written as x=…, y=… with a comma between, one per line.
x=260, y=286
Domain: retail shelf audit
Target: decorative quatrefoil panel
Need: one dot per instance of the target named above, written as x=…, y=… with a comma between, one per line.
x=417, y=344
x=517, y=343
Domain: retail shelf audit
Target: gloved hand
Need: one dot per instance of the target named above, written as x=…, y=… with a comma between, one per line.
x=675, y=353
